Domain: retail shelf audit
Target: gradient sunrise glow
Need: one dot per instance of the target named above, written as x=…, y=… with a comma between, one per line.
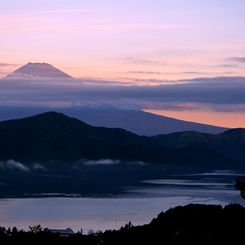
x=134, y=43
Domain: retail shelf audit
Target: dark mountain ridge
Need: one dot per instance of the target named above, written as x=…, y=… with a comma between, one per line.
x=55, y=136
x=231, y=143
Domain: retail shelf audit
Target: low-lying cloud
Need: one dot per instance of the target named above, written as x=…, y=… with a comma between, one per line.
x=238, y=59
x=15, y=165
x=220, y=93
x=101, y=162
x=11, y=164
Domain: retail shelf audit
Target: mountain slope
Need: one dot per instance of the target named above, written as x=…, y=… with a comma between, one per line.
x=137, y=121
x=189, y=224
x=55, y=136
x=38, y=70
x=231, y=144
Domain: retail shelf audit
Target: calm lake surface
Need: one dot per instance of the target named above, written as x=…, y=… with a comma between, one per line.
x=138, y=206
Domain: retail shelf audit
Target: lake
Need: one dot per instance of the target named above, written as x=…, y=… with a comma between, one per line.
x=138, y=205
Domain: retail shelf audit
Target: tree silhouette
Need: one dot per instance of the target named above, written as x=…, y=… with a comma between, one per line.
x=35, y=228
x=240, y=185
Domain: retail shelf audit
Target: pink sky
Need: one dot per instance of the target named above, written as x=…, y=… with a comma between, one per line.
x=223, y=119
x=135, y=42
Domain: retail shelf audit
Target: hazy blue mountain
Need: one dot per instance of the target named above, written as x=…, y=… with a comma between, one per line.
x=135, y=121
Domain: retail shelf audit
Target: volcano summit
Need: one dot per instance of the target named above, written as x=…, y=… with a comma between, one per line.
x=38, y=70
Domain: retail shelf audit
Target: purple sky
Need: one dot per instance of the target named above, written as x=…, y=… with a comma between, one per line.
x=139, y=45
x=125, y=40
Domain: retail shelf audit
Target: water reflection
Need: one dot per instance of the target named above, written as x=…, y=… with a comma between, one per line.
x=138, y=205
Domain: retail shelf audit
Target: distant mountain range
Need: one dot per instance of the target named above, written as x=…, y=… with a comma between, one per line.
x=135, y=121
x=55, y=136
x=38, y=70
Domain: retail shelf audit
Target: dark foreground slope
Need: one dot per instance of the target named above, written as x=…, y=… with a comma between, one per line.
x=191, y=224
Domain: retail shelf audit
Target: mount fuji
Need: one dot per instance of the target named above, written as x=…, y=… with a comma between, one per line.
x=38, y=70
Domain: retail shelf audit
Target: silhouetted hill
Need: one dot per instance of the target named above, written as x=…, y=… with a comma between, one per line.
x=190, y=224
x=230, y=144
x=54, y=136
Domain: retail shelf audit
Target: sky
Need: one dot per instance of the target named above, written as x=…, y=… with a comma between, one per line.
x=184, y=59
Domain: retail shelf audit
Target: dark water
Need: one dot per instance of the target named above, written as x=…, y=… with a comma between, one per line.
x=139, y=205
